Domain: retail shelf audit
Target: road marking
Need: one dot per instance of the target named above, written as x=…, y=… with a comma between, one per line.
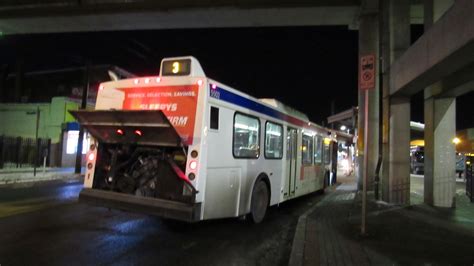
x=29, y=205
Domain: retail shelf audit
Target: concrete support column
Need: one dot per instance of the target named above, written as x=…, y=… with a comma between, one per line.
x=396, y=112
x=385, y=68
x=439, y=161
x=399, y=126
x=428, y=14
x=440, y=7
x=440, y=129
x=399, y=159
x=369, y=44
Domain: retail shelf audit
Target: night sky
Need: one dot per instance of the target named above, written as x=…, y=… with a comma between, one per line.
x=288, y=64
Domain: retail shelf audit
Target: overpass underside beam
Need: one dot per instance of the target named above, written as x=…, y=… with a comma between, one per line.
x=212, y=17
x=444, y=49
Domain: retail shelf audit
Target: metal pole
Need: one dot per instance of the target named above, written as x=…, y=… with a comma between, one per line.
x=36, y=137
x=80, y=140
x=363, y=229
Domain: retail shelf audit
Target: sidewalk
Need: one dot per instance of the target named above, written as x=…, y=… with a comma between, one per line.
x=329, y=233
x=24, y=175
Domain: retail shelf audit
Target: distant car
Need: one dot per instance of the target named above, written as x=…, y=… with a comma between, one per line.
x=460, y=164
x=417, y=155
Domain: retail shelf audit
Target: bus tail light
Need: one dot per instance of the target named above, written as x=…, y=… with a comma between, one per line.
x=193, y=165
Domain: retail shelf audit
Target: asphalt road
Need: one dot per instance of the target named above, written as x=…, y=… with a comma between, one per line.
x=45, y=225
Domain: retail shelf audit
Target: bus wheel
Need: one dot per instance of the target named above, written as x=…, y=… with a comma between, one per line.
x=259, y=203
x=326, y=179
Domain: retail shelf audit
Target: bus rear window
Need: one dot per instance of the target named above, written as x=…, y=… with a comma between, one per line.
x=214, y=117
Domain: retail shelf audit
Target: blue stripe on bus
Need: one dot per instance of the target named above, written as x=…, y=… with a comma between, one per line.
x=230, y=97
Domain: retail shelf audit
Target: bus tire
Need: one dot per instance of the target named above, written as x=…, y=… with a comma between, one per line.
x=326, y=179
x=259, y=202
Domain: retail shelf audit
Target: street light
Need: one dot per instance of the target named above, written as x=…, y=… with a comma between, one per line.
x=343, y=127
x=456, y=141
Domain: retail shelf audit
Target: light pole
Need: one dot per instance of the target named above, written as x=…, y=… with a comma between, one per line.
x=80, y=140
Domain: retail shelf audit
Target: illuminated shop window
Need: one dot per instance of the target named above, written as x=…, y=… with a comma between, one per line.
x=71, y=142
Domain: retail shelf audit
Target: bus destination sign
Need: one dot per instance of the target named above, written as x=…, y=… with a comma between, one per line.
x=176, y=67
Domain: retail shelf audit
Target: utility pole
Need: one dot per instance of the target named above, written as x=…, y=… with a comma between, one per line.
x=333, y=110
x=36, y=140
x=80, y=140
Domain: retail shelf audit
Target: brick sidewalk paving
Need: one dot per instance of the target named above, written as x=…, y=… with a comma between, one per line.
x=326, y=229
x=396, y=235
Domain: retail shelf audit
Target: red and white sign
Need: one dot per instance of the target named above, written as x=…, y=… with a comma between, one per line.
x=178, y=103
x=367, y=72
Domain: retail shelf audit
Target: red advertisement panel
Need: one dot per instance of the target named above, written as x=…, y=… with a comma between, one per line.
x=178, y=103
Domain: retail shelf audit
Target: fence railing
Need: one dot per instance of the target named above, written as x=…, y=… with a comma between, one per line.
x=18, y=152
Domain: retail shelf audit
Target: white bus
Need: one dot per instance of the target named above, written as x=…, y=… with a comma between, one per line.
x=183, y=146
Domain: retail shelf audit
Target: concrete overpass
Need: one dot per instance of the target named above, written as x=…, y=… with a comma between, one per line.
x=34, y=16
x=440, y=63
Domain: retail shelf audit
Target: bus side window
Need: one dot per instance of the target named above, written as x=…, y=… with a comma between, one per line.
x=318, y=149
x=307, y=149
x=327, y=154
x=214, y=118
x=273, y=141
x=246, y=137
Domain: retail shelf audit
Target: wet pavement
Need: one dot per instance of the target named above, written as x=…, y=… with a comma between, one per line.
x=44, y=225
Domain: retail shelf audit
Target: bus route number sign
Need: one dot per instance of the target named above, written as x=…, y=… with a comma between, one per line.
x=176, y=67
x=367, y=72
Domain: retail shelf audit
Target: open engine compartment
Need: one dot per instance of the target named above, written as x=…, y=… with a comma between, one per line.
x=143, y=171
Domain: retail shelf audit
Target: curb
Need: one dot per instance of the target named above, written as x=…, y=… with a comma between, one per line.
x=297, y=248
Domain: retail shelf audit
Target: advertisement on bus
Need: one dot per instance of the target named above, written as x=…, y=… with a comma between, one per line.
x=178, y=103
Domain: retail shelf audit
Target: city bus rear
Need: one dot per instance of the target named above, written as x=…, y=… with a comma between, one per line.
x=145, y=152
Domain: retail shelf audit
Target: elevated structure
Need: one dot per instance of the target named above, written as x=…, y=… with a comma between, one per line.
x=22, y=17
x=440, y=63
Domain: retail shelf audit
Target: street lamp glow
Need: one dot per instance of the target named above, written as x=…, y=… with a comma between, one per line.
x=456, y=141
x=343, y=127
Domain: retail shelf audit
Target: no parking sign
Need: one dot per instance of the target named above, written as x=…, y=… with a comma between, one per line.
x=367, y=72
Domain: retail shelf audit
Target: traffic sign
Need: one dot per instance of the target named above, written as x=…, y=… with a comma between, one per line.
x=367, y=72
